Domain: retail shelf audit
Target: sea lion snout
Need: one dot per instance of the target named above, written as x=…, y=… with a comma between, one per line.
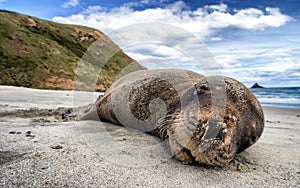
x=215, y=131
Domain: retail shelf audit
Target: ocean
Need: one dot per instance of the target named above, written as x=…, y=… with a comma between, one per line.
x=280, y=96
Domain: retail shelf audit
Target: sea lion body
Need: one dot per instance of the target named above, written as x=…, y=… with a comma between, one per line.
x=206, y=120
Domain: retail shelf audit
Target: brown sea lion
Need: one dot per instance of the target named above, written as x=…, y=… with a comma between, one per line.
x=204, y=120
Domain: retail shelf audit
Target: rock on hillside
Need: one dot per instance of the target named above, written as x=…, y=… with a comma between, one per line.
x=42, y=54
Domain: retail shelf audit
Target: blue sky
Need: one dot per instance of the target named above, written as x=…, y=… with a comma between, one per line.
x=251, y=40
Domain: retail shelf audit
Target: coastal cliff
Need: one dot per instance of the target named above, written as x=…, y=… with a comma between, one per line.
x=37, y=53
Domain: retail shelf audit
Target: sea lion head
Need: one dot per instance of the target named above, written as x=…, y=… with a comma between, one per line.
x=210, y=128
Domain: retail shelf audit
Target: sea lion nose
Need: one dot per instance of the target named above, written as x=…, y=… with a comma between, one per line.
x=215, y=130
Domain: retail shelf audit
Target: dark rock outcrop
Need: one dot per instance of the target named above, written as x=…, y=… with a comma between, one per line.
x=256, y=85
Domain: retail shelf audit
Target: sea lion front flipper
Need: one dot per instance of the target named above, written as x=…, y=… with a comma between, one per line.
x=90, y=114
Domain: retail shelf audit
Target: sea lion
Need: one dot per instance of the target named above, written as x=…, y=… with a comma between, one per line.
x=204, y=120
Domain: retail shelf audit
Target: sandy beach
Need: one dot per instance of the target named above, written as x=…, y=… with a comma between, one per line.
x=40, y=149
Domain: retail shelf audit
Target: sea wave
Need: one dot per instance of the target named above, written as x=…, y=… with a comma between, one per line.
x=282, y=102
x=283, y=97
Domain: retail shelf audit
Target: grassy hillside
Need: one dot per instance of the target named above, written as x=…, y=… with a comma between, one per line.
x=41, y=54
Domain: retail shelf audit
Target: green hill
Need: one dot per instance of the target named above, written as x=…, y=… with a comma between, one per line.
x=42, y=54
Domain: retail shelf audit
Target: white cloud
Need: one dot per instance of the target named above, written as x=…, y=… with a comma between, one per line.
x=203, y=21
x=177, y=7
x=248, y=62
x=297, y=74
x=71, y=3
x=282, y=64
x=93, y=9
x=139, y=3
x=271, y=67
x=279, y=59
x=2, y=1
x=217, y=38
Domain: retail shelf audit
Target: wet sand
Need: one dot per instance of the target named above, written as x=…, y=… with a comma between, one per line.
x=39, y=148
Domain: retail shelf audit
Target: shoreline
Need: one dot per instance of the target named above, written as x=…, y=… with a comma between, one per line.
x=37, y=151
x=278, y=109
x=6, y=89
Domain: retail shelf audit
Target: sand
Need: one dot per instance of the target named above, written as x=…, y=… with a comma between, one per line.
x=40, y=149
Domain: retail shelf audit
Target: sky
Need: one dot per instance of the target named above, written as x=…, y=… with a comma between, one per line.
x=249, y=40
